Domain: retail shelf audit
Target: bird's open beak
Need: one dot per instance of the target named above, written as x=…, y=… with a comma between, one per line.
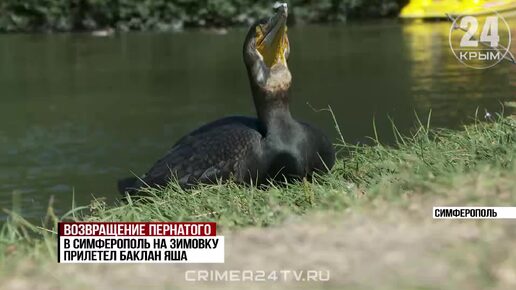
x=271, y=38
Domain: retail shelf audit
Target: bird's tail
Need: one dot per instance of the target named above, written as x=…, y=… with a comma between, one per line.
x=127, y=185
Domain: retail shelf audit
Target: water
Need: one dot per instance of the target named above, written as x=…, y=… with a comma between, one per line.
x=79, y=112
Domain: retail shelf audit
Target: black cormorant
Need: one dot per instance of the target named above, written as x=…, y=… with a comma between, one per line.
x=273, y=146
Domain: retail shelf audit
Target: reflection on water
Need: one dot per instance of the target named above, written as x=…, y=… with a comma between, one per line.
x=442, y=83
x=78, y=112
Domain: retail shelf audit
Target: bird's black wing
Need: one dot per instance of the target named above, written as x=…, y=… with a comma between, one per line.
x=215, y=151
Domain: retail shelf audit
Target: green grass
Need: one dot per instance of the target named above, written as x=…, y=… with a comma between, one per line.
x=427, y=162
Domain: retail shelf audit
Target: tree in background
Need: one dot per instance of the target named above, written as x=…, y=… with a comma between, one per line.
x=170, y=15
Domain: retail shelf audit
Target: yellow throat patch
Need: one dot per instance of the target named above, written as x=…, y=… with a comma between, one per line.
x=274, y=53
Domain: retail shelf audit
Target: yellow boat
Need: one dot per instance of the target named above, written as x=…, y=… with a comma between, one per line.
x=420, y=9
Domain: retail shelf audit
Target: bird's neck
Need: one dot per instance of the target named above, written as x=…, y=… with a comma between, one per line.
x=270, y=88
x=272, y=109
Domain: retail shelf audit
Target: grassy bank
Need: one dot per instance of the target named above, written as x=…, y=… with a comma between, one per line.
x=389, y=189
x=170, y=15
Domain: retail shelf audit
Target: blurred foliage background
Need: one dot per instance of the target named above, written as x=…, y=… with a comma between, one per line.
x=170, y=15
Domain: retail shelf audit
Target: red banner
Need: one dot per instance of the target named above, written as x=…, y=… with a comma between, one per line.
x=137, y=229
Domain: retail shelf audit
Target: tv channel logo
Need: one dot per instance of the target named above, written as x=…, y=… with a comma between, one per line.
x=480, y=42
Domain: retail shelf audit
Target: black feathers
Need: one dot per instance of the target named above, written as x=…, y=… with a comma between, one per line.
x=236, y=147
